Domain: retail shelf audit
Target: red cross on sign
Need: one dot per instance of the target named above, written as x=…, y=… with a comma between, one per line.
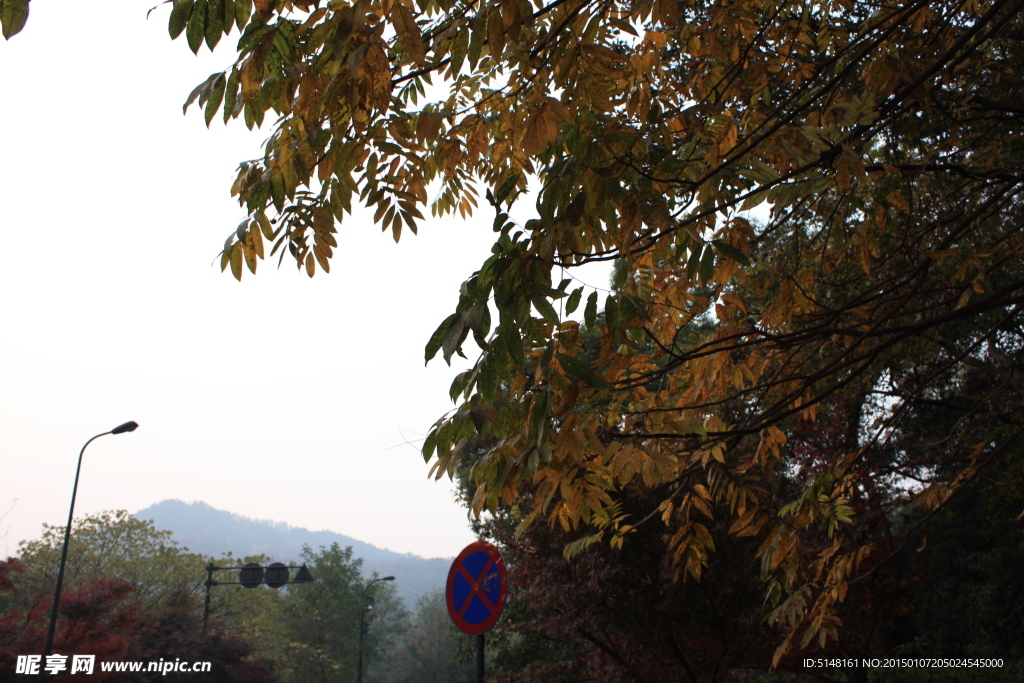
x=476, y=588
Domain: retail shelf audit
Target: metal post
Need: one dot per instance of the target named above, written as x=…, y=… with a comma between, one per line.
x=120, y=429
x=363, y=628
x=480, y=658
x=63, y=561
x=362, y=632
x=210, y=568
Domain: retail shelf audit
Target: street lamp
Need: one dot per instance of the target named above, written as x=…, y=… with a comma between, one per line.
x=367, y=599
x=120, y=429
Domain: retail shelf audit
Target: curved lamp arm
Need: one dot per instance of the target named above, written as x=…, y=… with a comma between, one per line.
x=120, y=429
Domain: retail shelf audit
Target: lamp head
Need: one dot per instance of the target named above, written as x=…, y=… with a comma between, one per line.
x=126, y=427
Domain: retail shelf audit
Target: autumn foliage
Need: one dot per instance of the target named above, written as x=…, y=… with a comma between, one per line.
x=878, y=141
x=95, y=620
x=816, y=212
x=131, y=595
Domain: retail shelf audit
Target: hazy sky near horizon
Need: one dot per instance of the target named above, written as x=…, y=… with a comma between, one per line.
x=281, y=397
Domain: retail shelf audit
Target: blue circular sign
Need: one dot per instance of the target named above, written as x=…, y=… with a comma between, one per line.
x=476, y=589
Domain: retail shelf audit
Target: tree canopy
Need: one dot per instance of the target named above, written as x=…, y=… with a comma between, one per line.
x=131, y=593
x=768, y=367
x=319, y=622
x=429, y=650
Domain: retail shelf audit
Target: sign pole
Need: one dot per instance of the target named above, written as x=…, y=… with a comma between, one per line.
x=475, y=594
x=210, y=569
x=480, y=658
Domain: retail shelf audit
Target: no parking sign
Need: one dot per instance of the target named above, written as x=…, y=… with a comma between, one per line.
x=476, y=589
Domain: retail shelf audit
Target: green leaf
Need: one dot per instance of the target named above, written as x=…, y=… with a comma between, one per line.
x=631, y=306
x=573, y=549
x=611, y=311
x=515, y=346
x=214, y=23
x=243, y=8
x=213, y=103
x=200, y=91
x=545, y=309
x=436, y=339
x=231, y=96
x=694, y=261
x=707, y=265
x=573, y=302
x=731, y=252
x=583, y=372
x=479, y=320
x=194, y=32
x=487, y=378
x=277, y=190
x=539, y=415
x=458, y=384
x=179, y=17
x=13, y=14
x=499, y=219
x=542, y=290
x=453, y=339
x=753, y=201
x=228, y=14
x=476, y=413
x=506, y=189
x=429, y=444
x=590, y=312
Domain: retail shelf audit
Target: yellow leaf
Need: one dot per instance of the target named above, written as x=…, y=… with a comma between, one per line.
x=250, y=257
x=408, y=33
x=703, y=507
x=542, y=131
x=657, y=38
x=783, y=550
x=495, y=34
x=236, y=261
x=897, y=200
x=743, y=521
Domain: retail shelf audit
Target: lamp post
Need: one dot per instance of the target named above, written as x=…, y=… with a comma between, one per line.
x=120, y=429
x=367, y=599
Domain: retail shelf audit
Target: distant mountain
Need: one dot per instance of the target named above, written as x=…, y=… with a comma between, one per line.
x=208, y=531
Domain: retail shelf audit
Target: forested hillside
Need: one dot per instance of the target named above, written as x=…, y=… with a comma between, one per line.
x=211, y=532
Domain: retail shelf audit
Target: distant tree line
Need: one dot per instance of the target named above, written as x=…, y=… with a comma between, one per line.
x=132, y=594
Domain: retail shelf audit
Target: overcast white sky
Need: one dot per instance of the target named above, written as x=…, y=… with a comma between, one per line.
x=280, y=397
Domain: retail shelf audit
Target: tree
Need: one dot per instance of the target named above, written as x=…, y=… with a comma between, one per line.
x=112, y=545
x=320, y=620
x=619, y=616
x=115, y=545
x=130, y=593
x=961, y=556
x=97, y=619
x=881, y=136
x=428, y=650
